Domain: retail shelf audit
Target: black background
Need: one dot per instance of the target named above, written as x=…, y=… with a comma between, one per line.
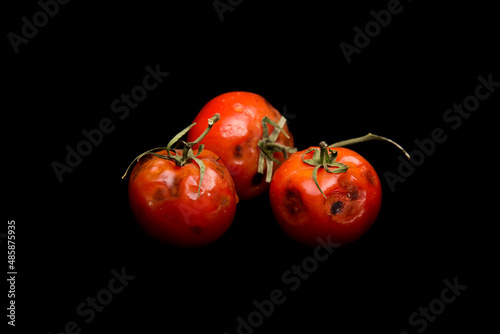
x=437, y=225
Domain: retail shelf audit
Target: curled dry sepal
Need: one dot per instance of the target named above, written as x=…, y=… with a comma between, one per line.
x=323, y=157
x=268, y=146
x=187, y=151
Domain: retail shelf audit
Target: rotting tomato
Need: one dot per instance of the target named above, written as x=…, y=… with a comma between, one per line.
x=252, y=138
x=183, y=197
x=343, y=204
x=327, y=192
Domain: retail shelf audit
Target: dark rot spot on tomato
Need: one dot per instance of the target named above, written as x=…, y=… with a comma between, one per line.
x=351, y=189
x=174, y=184
x=369, y=176
x=336, y=207
x=293, y=200
x=145, y=159
x=237, y=152
x=141, y=163
x=220, y=171
x=160, y=194
x=196, y=229
x=257, y=179
x=224, y=201
x=353, y=192
x=175, y=189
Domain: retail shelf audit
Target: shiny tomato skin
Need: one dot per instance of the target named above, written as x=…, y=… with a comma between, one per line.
x=236, y=135
x=351, y=207
x=164, y=199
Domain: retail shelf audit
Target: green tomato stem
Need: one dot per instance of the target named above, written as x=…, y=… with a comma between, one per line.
x=369, y=137
x=268, y=146
x=187, y=152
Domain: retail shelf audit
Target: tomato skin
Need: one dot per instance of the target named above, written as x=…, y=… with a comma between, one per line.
x=164, y=199
x=351, y=207
x=235, y=137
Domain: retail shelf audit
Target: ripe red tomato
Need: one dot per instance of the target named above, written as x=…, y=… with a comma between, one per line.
x=164, y=199
x=184, y=197
x=342, y=211
x=235, y=138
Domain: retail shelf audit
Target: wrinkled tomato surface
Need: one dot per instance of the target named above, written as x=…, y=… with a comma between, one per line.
x=352, y=202
x=164, y=199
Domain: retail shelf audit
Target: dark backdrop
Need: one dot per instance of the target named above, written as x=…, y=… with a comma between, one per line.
x=74, y=236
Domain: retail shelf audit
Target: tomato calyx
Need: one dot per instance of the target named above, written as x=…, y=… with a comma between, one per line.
x=187, y=151
x=324, y=157
x=268, y=146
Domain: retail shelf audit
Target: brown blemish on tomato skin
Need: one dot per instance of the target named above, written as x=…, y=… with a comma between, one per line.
x=139, y=167
x=145, y=159
x=336, y=207
x=219, y=168
x=369, y=176
x=350, y=188
x=353, y=192
x=175, y=189
x=173, y=184
x=293, y=201
x=257, y=179
x=220, y=171
x=196, y=229
x=225, y=201
x=160, y=194
x=237, y=152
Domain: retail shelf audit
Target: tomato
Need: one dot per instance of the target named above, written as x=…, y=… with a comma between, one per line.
x=164, y=200
x=172, y=204
x=340, y=208
x=235, y=138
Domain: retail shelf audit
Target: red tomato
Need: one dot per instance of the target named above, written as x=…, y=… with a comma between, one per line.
x=164, y=199
x=235, y=138
x=348, y=208
x=184, y=197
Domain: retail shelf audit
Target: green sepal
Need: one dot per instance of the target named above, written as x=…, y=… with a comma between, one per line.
x=268, y=146
x=323, y=157
x=177, y=137
x=187, y=151
x=201, y=165
x=315, y=178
